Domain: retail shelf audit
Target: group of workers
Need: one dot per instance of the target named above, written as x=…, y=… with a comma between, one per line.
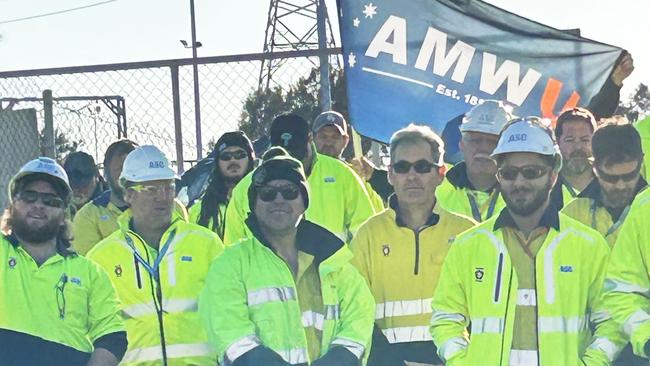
x=531, y=251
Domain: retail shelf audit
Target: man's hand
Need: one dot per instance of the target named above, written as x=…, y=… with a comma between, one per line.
x=623, y=69
x=363, y=167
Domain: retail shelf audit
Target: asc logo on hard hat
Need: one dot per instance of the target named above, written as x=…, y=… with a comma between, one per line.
x=156, y=164
x=518, y=137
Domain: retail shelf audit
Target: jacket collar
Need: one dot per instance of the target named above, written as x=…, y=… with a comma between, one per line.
x=310, y=238
x=125, y=220
x=550, y=219
x=13, y=240
x=393, y=205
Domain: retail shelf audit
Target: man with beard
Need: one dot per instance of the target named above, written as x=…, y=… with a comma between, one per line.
x=471, y=185
x=528, y=280
x=287, y=294
x=573, y=130
x=340, y=202
x=98, y=219
x=234, y=158
x=56, y=307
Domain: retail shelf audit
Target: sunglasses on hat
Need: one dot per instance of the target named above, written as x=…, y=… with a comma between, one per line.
x=529, y=172
x=227, y=156
x=268, y=194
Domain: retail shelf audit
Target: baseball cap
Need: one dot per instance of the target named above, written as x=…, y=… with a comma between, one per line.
x=146, y=163
x=330, y=118
x=291, y=132
x=81, y=168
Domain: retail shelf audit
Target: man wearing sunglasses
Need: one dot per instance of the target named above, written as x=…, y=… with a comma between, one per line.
x=233, y=159
x=287, y=294
x=471, y=185
x=158, y=262
x=339, y=200
x=529, y=280
x=401, y=250
x=56, y=307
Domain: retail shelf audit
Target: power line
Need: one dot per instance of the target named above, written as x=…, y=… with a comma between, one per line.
x=56, y=12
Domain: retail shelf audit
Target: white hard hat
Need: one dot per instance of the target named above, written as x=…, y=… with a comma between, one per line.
x=146, y=163
x=42, y=165
x=488, y=117
x=526, y=135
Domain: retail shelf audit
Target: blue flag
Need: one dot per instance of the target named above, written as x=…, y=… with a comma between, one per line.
x=430, y=61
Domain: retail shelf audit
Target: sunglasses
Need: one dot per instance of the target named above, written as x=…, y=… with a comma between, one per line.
x=268, y=194
x=529, y=172
x=151, y=190
x=48, y=199
x=227, y=156
x=421, y=166
x=614, y=178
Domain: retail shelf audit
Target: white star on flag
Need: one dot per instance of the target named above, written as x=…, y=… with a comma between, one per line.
x=369, y=10
x=352, y=59
x=356, y=22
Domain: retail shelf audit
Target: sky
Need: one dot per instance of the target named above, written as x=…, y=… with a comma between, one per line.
x=141, y=30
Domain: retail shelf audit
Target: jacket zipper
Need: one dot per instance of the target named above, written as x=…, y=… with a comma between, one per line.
x=539, y=361
x=416, y=268
x=497, y=288
x=505, y=318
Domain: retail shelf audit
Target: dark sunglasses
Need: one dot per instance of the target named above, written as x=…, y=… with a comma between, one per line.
x=268, y=194
x=227, y=156
x=421, y=166
x=614, y=178
x=48, y=199
x=529, y=172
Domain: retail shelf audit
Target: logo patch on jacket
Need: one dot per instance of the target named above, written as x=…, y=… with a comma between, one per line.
x=76, y=281
x=118, y=270
x=330, y=179
x=186, y=258
x=479, y=273
x=104, y=217
x=385, y=249
x=566, y=269
x=12, y=262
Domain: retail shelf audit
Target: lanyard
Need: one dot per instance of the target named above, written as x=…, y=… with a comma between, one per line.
x=153, y=270
x=474, y=205
x=615, y=226
x=572, y=191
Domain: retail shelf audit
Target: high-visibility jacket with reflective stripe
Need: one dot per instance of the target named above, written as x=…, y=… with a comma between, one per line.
x=454, y=195
x=643, y=127
x=250, y=299
x=389, y=255
x=478, y=286
x=182, y=271
x=627, y=287
x=338, y=201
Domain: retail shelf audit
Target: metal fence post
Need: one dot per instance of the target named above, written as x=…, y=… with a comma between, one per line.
x=197, y=93
x=178, y=129
x=325, y=88
x=49, y=147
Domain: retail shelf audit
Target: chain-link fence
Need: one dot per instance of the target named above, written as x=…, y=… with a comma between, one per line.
x=149, y=102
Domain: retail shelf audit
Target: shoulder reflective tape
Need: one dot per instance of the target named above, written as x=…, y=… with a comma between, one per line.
x=522, y=358
x=149, y=354
x=607, y=346
x=634, y=321
x=241, y=346
x=487, y=325
x=526, y=297
x=625, y=287
x=443, y=316
x=169, y=306
x=407, y=334
x=356, y=348
x=451, y=347
x=559, y=324
x=402, y=308
x=269, y=294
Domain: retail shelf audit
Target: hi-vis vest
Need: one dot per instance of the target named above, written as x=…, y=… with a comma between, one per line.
x=478, y=286
x=338, y=201
x=251, y=300
x=181, y=264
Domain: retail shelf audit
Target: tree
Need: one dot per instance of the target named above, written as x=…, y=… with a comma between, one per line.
x=637, y=105
x=262, y=106
x=62, y=144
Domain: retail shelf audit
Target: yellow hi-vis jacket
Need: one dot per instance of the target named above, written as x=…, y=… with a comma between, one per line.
x=338, y=201
x=478, y=286
x=643, y=127
x=251, y=301
x=167, y=308
x=195, y=214
x=627, y=287
x=589, y=210
x=455, y=194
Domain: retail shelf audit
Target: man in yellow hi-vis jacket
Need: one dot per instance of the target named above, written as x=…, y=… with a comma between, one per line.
x=529, y=280
x=158, y=263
